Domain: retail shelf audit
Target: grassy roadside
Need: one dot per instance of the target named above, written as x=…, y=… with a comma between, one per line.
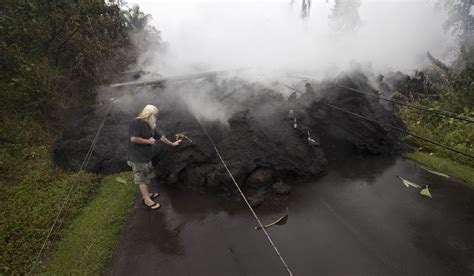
x=91, y=237
x=32, y=191
x=444, y=165
x=448, y=89
x=51, y=65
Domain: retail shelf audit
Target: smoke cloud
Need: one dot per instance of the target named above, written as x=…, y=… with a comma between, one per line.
x=271, y=40
x=270, y=37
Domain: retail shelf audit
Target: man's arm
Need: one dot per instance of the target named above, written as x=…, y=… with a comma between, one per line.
x=139, y=140
x=135, y=134
x=165, y=140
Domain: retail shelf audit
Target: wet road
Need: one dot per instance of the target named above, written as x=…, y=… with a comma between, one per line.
x=356, y=220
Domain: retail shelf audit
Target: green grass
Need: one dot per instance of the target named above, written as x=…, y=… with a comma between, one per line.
x=91, y=237
x=454, y=134
x=32, y=191
x=444, y=165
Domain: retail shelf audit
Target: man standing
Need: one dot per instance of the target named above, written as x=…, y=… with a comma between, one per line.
x=142, y=135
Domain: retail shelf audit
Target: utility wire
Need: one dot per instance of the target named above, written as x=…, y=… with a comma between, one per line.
x=83, y=166
x=245, y=199
x=420, y=107
x=399, y=129
x=86, y=160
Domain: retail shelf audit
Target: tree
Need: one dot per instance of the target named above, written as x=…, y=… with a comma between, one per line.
x=460, y=19
x=345, y=15
x=54, y=53
x=305, y=8
x=460, y=22
x=141, y=33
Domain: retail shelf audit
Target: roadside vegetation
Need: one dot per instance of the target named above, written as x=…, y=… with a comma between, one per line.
x=32, y=193
x=451, y=89
x=445, y=165
x=53, y=56
x=453, y=92
x=91, y=237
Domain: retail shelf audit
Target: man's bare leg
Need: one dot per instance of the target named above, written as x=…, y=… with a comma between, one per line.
x=146, y=196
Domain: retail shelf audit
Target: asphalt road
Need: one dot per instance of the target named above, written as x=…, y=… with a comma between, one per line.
x=359, y=219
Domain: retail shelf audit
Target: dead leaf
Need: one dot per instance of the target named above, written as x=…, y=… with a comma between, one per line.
x=426, y=192
x=409, y=183
x=435, y=172
x=281, y=221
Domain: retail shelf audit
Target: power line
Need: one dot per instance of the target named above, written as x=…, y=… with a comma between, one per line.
x=86, y=160
x=402, y=130
x=420, y=107
x=83, y=165
x=245, y=199
x=399, y=129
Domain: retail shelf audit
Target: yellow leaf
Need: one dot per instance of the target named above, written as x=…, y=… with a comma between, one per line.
x=426, y=192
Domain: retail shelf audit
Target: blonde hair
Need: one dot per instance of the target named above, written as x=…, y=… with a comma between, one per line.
x=147, y=112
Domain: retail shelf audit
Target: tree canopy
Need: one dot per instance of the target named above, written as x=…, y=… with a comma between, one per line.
x=53, y=53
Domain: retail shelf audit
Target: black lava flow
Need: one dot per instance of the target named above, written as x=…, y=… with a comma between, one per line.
x=259, y=141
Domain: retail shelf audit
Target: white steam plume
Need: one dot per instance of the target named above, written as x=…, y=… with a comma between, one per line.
x=272, y=40
x=395, y=35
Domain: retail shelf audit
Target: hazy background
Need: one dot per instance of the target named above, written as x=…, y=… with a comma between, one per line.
x=271, y=38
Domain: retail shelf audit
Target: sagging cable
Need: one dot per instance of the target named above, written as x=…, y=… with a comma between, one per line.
x=245, y=199
x=398, y=129
x=73, y=186
x=420, y=107
x=401, y=130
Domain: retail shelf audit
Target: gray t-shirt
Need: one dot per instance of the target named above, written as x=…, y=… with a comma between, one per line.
x=140, y=153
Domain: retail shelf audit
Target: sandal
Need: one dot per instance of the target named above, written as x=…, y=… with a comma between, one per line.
x=154, y=195
x=154, y=206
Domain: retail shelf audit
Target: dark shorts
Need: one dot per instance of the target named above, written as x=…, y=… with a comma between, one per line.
x=142, y=172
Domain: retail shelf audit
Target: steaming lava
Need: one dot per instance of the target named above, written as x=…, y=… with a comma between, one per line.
x=258, y=142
